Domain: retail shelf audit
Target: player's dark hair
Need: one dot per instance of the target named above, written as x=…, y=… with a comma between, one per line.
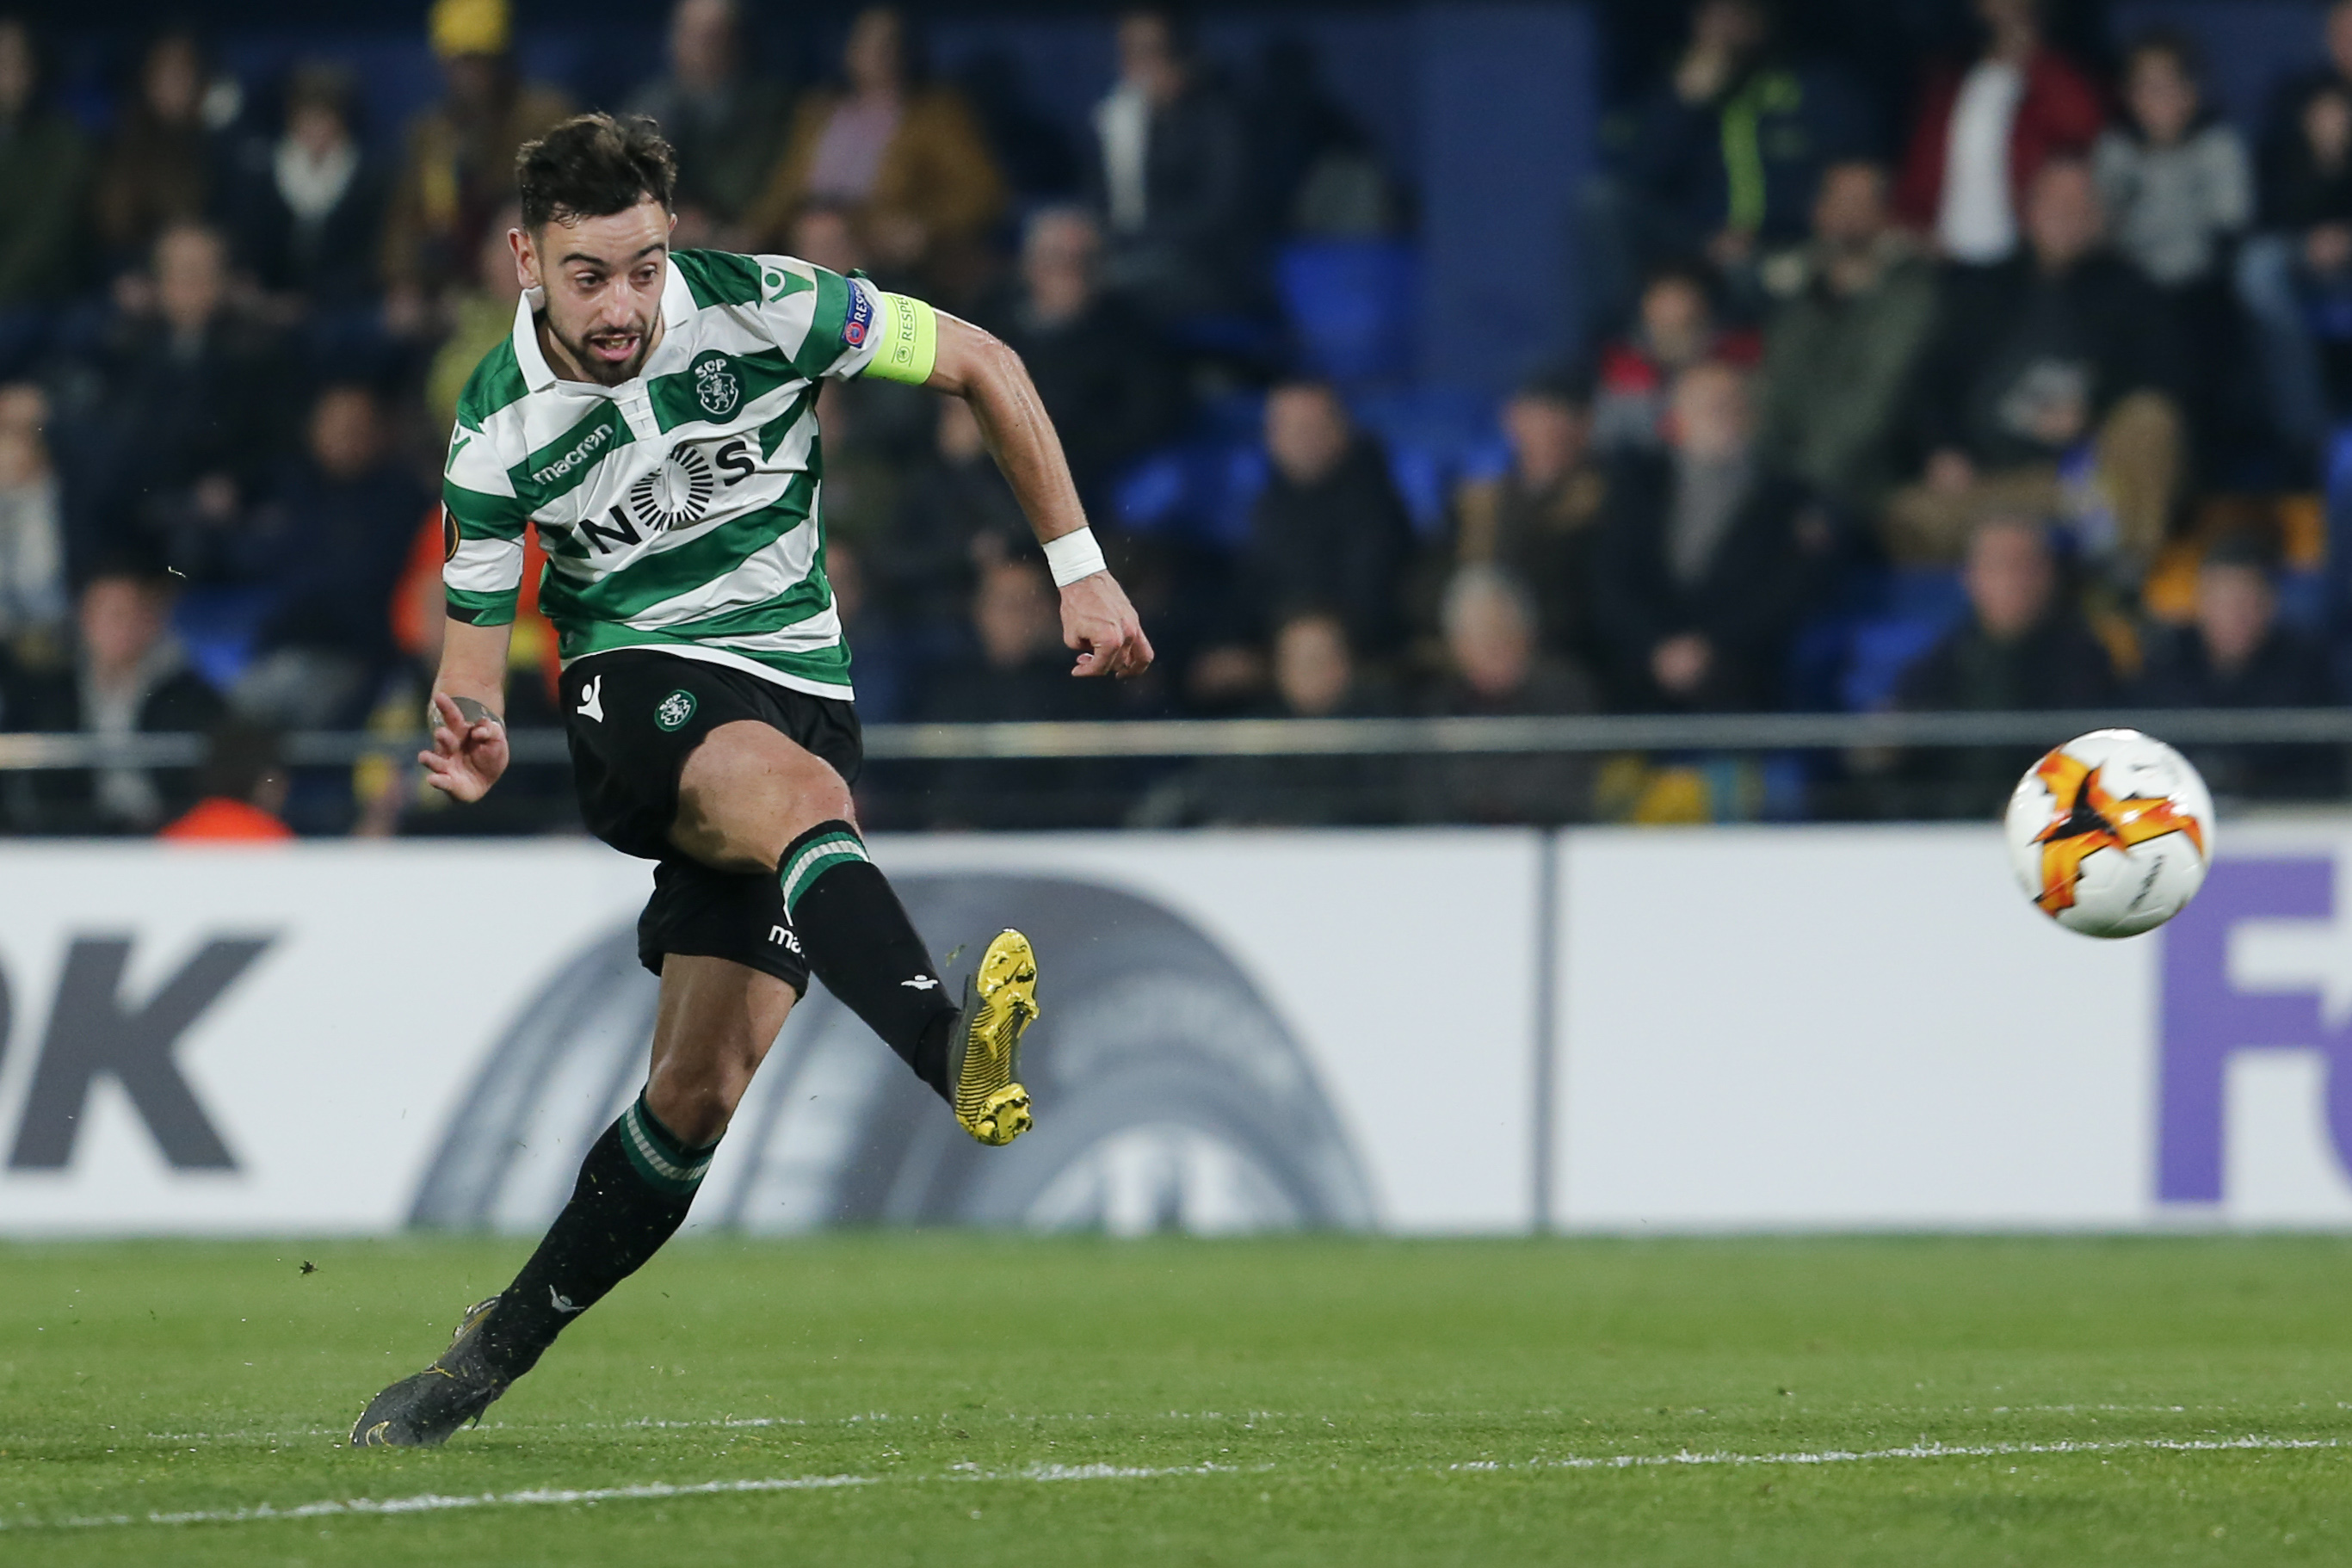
x=593, y=165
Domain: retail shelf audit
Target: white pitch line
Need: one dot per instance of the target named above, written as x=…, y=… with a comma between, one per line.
x=430, y=1503
x=435, y=1502
x=1914, y=1451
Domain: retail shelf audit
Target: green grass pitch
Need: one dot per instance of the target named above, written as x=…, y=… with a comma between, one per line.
x=982, y=1399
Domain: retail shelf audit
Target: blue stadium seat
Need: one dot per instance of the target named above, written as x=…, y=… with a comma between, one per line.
x=1877, y=654
x=1351, y=306
x=2338, y=502
x=1854, y=656
x=219, y=627
x=1200, y=488
x=1435, y=438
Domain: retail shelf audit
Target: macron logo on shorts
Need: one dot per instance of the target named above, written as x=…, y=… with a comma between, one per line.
x=782, y=936
x=592, y=699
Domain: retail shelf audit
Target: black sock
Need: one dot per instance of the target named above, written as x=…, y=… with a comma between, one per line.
x=860, y=943
x=635, y=1188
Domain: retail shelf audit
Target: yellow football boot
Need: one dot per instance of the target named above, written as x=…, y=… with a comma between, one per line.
x=1000, y=1003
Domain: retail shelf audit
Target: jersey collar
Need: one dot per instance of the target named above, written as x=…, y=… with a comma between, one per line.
x=677, y=309
x=678, y=299
x=537, y=373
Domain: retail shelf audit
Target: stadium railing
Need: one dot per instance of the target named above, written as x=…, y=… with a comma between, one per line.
x=1171, y=738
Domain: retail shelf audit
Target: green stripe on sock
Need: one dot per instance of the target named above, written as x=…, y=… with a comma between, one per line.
x=813, y=860
x=657, y=1156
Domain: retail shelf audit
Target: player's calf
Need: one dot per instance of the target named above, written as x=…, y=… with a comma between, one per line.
x=632, y=1192
x=860, y=943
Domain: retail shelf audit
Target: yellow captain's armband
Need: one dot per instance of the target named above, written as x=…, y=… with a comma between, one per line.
x=910, y=341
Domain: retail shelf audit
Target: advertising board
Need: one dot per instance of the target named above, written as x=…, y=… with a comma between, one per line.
x=1870, y=1028
x=1442, y=1031
x=1239, y=1031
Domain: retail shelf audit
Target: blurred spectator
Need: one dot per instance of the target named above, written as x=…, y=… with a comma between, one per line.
x=906, y=161
x=955, y=512
x=2059, y=358
x=1674, y=327
x=1983, y=132
x=482, y=317
x=1172, y=176
x=305, y=209
x=1329, y=528
x=457, y=166
x=32, y=548
x=43, y=167
x=1705, y=560
x=2174, y=177
x=825, y=232
x=1723, y=155
x=1536, y=520
x=1494, y=669
x=2237, y=655
x=875, y=432
x=1111, y=390
x=131, y=677
x=2301, y=261
x=330, y=549
x=160, y=166
x=185, y=421
x=2021, y=648
x=1022, y=673
x=240, y=792
x=1317, y=173
x=1037, y=149
x=1857, y=307
x=1316, y=676
x=886, y=663
x=1315, y=672
x=2179, y=189
x=726, y=121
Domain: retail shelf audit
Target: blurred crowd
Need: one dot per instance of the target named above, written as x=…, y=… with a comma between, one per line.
x=2021, y=404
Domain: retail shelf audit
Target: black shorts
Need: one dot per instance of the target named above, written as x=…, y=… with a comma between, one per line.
x=632, y=717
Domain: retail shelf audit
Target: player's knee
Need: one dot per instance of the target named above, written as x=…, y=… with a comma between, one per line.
x=694, y=1105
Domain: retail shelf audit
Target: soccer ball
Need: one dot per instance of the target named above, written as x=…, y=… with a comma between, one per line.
x=2110, y=834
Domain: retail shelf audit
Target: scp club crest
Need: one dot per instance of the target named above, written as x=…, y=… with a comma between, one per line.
x=2089, y=818
x=716, y=386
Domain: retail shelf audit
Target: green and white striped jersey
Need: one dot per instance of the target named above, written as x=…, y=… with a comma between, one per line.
x=682, y=510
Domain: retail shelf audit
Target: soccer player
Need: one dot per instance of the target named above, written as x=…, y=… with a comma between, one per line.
x=654, y=417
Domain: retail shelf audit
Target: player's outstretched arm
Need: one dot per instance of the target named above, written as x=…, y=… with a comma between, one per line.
x=469, y=697
x=1097, y=620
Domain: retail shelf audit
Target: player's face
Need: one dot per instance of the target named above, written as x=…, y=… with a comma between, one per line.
x=604, y=279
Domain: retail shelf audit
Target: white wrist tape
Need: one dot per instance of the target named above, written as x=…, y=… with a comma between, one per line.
x=1073, y=557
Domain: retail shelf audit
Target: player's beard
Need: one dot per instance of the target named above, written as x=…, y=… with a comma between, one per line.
x=609, y=373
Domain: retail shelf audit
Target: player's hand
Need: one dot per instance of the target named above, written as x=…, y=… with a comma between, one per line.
x=1101, y=625
x=465, y=759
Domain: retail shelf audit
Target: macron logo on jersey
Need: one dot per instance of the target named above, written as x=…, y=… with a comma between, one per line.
x=590, y=444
